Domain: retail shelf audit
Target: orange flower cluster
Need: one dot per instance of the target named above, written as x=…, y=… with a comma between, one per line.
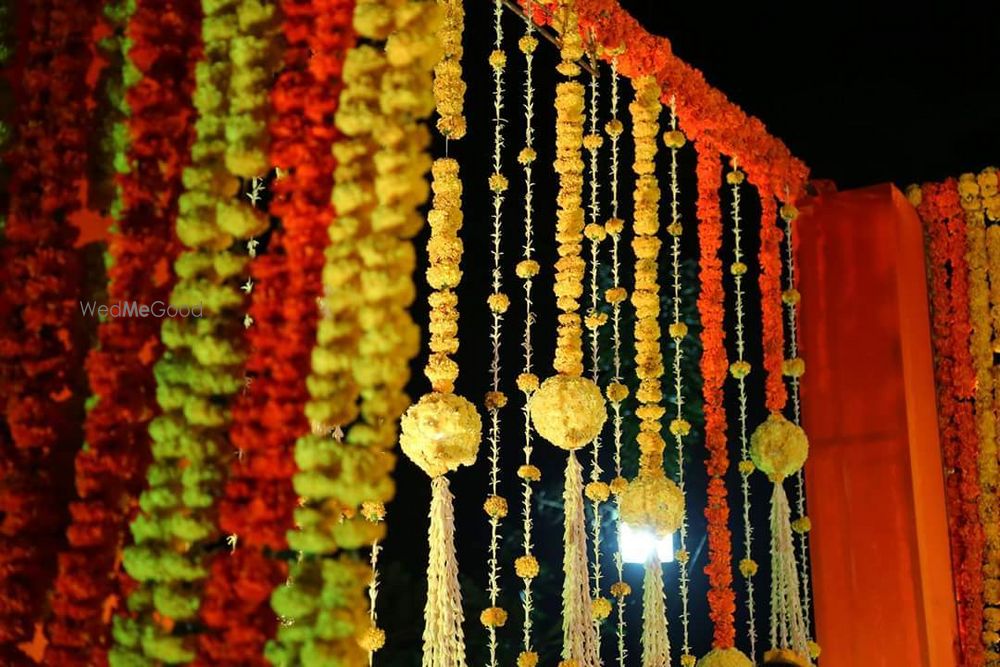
x=714, y=369
x=703, y=111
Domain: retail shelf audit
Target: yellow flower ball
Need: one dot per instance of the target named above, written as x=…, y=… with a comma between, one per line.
x=614, y=226
x=688, y=660
x=595, y=232
x=914, y=194
x=595, y=320
x=678, y=330
x=653, y=501
x=495, y=400
x=682, y=556
x=620, y=590
x=617, y=392
x=498, y=183
x=675, y=229
x=814, y=649
x=498, y=302
x=440, y=433
x=794, y=367
x=724, y=657
x=527, y=268
x=739, y=369
x=493, y=617
x=527, y=156
x=680, y=427
x=498, y=59
x=784, y=656
x=600, y=608
x=746, y=467
x=373, y=510
x=527, y=659
x=748, y=567
x=618, y=485
x=529, y=473
x=568, y=411
x=778, y=447
x=496, y=507
x=597, y=492
x=802, y=525
x=735, y=177
x=372, y=639
x=674, y=139
x=738, y=268
x=527, y=382
x=526, y=567
x=592, y=142
x=791, y=296
x=789, y=212
x=615, y=295
x=527, y=44
x=614, y=128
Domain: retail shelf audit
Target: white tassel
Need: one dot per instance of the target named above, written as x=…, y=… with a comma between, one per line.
x=579, y=633
x=788, y=628
x=444, y=642
x=655, y=638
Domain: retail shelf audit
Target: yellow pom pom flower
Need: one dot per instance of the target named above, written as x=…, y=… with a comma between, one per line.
x=738, y=268
x=739, y=369
x=778, y=447
x=495, y=400
x=814, y=649
x=568, y=411
x=527, y=268
x=654, y=502
x=784, y=656
x=802, y=525
x=674, y=139
x=600, y=608
x=678, y=330
x=498, y=59
x=746, y=467
x=526, y=156
x=615, y=295
x=794, y=367
x=595, y=232
x=527, y=659
x=791, y=297
x=526, y=567
x=527, y=382
x=530, y=473
x=496, y=507
x=372, y=639
x=620, y=590
x=675, y=229
x=614, y=128
x=498, y=183
x=527, y=44
x=688, y=660
x=498, y=302
x=617, y=392
x=373, y=511
x=724, y=657
x=440, y=432
x=735, y=177
x=789, y=212
x=597, y=492
x=680, y=427
x=682, y=556
x=493, y=617
x=614, y=226
x=748, y=567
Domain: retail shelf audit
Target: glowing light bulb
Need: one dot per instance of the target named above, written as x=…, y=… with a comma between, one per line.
x=638, y=544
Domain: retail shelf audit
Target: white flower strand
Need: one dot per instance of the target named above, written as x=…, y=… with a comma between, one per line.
x=800, y=487
x=737, y=269
x=616, y=355
x=679, y=394
x=497, y=185
x=528, y=250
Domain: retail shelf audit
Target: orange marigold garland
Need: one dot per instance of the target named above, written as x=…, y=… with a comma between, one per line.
x=110, y=470
x=42, y=341
x=944, y=226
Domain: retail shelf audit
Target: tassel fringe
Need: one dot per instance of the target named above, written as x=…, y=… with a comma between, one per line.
x=655, y=638
x=444, y=642
x=579, y=633
x=788, y=630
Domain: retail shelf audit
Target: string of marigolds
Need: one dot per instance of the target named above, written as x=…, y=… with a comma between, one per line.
x=651, y=502
x=526, y=565
x=674, y=139
x=793, y=368
x=739, y=370
x=596, y=490
x=616, y=391
x=496, y=505
x=567, y=409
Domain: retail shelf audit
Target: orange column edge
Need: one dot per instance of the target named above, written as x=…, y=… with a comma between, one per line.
x=881, y=567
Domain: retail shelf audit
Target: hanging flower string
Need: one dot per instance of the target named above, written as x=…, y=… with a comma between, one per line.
x=567, y=409
x=196, y=379
x=616, y=391
x=526, y=565
x=42, y=337
x=714, y=369
x=110, y=469
x=442, y=431
x=651, y=502
x=498, y=302
x=674, y=139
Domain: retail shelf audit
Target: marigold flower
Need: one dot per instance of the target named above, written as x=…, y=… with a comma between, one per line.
x=498, y=59
x=527, y=659
x=814, y=649
x=680, y=427
x=527, y=156
x=527, y=44
x=678, y=330
x=527, y=382
x=597, y=492
x=493, y=617
x=615, y=295
x=595, y=320
x=746, y=467
x=620, y=589
x=614, y=226
x=748, y=567
x=614, y=128
x=616, y=392
x=496, y=507
x=737, y=268
x=600, y=608
x=592, y=142
x=372, y=639
x=794, y=367
x=682, y=556
x=675, y=229
x=688, y=660
x=373, y=510
x=674, y=139
x=791, y=297
x=527, y=268
x=526, y=567
x=735, y=177
x=617, y=485
x=498, y=183
x=739, y=369
x=529, y=472
x=802, y=525
x=498, y=302
x=789, y=212
x=495, y=400
x=595, y=232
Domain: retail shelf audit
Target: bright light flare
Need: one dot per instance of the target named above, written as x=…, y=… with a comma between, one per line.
x=638, y=544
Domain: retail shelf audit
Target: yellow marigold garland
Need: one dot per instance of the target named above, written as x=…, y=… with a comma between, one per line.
x=973, y=196
x=449, y=88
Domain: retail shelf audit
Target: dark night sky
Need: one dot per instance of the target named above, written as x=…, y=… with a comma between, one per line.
x=863, y=94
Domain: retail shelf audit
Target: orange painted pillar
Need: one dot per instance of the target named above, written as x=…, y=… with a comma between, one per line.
x=880, y=559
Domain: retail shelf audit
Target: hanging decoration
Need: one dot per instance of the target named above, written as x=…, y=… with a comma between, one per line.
x=568, y=409
x=714, y=368
x=42, y=334
x=442, y=431
x=110, y=468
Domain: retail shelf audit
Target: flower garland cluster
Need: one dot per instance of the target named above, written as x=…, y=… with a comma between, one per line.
x=110, y=470
x=945, y=226
x=196, y=379
x=714, y=369
x=704, y=111
x=973, y=192
x=42, y=340
x=255, y=508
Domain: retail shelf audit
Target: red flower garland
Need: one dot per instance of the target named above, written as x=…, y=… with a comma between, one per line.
x=42, y=341
x=267, y=419
x=110, y=472
x=703, y=111
x=944, y=225
x=714, y=369
x=771, y=305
